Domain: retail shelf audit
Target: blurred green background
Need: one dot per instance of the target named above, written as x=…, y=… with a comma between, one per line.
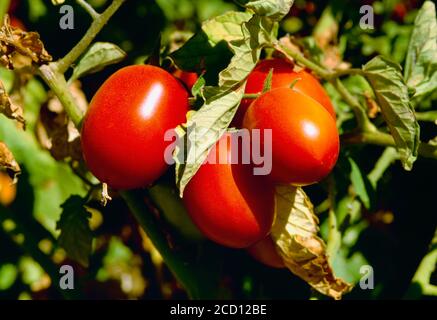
x=392, y=233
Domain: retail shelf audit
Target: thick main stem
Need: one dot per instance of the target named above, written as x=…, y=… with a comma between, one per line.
x=386, y=140
x=56, y=82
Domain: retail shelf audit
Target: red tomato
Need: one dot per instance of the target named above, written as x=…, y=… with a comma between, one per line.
x=283, y=76
x=16, y=23
x=187, y=78
x=265, y=252
x=123, y=131
x=227, y=202
x=305, y=143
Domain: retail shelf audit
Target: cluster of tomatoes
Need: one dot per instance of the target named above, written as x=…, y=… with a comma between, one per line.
x=123, y=145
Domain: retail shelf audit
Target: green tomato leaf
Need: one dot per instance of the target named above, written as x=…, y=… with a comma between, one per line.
x=392, y=95
x=295, y=233
x=207, y=125
x=421, y=61
x=360, y=183
x=99, y=56
x=76, y=236
x=274, y=9
x=197, y=88
x=208, y=49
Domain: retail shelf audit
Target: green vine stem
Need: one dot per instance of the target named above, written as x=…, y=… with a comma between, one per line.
x=99, y=22
x=430, y=116
x=195, y=280
x=364, y=124
x=378, y=138
x=88, y=8
x=56, y=82
x=387, y=158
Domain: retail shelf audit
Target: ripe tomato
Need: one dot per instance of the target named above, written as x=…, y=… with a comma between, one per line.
x=16, y=23
x=227, y=202
x=187, y=78
x=305, y=142
x=123, y=130
x=265, y=252
x=8, y=190
x=283, y=76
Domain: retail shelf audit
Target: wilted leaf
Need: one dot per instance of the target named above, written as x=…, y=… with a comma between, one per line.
x=8, y=162
x=421, y=61
x=56, y=132
x=207, y=125
x=274, y=9
x=19, y=48
x=76, y=236
x=392, y=96
x=8, y=108
x=295, y=234
x=99, y=56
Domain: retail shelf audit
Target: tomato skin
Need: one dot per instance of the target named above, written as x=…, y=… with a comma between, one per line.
x=187, y=78
x=227, y=202
x=264, y=251
x=17, y=23
x=123, y=130
x=283, y=76
x=305, y=141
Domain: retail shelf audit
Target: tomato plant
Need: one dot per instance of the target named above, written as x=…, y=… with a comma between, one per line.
x=123, y=132
x=227, y=202
x=89, y=184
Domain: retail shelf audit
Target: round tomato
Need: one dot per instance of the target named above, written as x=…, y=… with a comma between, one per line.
x=305, y=141
x=229, y=204
x=265, y=252
x=283, y=76
x=123, y=131
x=187, y=78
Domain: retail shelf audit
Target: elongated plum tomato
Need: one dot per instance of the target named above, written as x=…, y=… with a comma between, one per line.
x=187, y=78
x=229, y=204
x=264, y=251
x=123, y=131
x=283, y=76
x=305, y=142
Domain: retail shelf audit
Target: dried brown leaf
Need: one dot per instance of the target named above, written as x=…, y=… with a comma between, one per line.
x=8, y=108
x=8, y=162
x=56, y=132
x=295, y=234
x=373, y=108
x=19, y=48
